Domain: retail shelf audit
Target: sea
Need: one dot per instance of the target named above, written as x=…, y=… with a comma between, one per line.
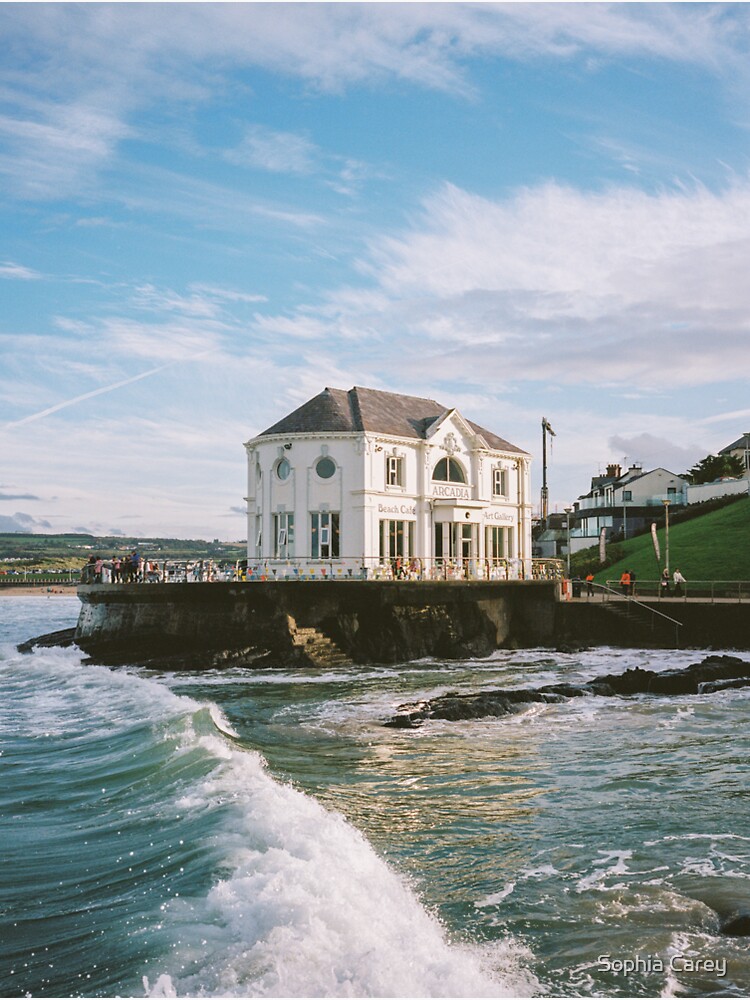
x=262, y=833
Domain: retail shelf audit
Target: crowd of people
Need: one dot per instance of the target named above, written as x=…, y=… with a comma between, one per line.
x=132, y=568
x=129, y=568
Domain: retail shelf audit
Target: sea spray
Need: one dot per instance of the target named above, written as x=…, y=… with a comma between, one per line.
x=309, y=909
x=192, y=865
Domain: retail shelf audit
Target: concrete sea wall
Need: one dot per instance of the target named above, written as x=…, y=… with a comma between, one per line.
x=215, y=624
x=702, y=624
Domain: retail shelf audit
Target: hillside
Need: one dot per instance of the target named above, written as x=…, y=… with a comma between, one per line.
x=27, y=551
x=715, y=546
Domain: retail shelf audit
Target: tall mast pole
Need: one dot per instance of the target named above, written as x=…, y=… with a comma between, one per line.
x=545, y=492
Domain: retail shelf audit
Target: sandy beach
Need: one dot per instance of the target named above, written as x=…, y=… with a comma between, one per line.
x=52, y=590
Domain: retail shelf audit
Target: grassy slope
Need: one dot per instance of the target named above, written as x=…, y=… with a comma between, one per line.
x=713, y=547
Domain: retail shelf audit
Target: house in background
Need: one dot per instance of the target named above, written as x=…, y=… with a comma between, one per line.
x=740, y=449
x=726, y=485
x=623, y=503
x=364, y=482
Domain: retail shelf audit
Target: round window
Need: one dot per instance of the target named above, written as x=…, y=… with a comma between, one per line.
x=283, y=469
x=325, y=467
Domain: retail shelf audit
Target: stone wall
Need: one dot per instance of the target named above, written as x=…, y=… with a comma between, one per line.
x=370, y=621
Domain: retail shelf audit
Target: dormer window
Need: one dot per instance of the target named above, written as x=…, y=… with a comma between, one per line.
x=448, y=470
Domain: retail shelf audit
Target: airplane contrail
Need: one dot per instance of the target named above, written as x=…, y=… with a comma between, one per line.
x=98, y=392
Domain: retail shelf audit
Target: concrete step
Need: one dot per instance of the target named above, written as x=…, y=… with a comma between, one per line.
x=318, y=646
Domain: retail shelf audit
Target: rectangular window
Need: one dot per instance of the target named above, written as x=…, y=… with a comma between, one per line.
x=446, y=540
x=396, y=539
x=498, y=543
x=500, y=482
x=324, y=535
x=394, y=470
x=627, y=495
x=495, y=542
x=671, y=491
x=283, y=533
x=258, y=534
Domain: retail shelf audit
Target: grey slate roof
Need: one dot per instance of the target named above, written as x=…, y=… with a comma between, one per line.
x=743, y=442
x=358, y=410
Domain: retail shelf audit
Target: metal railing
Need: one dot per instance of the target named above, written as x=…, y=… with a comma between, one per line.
x=705, y=590
x=38, y=578
x=260, y=570
x=609, y=592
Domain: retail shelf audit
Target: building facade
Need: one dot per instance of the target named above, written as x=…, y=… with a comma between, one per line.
x=377, y=484
x=622, y=503
x=740, y=449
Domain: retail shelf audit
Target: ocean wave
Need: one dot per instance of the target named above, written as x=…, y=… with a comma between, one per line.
x=211, y=877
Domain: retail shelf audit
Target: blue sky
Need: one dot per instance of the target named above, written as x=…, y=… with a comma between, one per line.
x=210, y=212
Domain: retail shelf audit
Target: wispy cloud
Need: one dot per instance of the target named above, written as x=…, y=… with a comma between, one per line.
x=18, y=272
x=278, y=152
x=18, y=496
x=102, y=390
x=66, y=119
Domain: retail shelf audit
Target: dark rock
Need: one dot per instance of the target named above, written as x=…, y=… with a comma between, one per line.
x=736, y=925
x=712, y=674
x=64, y=637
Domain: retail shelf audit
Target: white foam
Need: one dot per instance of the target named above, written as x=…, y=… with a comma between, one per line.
x=309, y=909
x=496, y=897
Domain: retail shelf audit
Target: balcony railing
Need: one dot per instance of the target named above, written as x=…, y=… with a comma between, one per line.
x=260, y=570
x=613, y=503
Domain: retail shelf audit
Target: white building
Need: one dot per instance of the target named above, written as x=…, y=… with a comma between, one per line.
x=740, y=449
x=370, y=483
x=624, y=502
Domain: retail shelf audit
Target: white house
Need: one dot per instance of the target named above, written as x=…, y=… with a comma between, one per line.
x=740, y=449
x=370, y=483
x=624, y=502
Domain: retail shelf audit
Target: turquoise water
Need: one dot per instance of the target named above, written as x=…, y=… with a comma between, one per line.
x=244, y=833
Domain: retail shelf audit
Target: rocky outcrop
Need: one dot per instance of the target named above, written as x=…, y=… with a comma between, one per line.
x=64, y=637
x=712, y=674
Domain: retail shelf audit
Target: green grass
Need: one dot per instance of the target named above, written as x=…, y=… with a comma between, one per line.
x=713, y=547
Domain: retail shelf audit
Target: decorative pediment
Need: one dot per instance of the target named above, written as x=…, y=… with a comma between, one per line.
x=454, y=434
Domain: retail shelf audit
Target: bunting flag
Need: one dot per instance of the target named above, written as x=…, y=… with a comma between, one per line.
x=655, y=541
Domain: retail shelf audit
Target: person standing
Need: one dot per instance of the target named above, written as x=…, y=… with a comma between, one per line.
x=664, y=583
x=679, y=579
x=589, y=584
x=625, y=583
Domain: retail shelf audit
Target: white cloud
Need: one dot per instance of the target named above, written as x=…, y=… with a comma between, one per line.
x=18, y=272
x=573, y=286
x=76, y=75
x=278, y=152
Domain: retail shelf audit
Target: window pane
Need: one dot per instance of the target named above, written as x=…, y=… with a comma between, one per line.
x=325, y=467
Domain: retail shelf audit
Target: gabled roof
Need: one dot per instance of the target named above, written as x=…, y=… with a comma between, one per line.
x=376, y=412
x=743, y=442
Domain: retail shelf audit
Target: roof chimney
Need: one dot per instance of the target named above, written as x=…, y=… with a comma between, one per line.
x=614, y=471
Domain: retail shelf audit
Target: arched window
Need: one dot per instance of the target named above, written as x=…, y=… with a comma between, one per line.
x=449, y=471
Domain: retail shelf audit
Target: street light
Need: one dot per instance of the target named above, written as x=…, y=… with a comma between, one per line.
x=568, y=512
x=666, y=531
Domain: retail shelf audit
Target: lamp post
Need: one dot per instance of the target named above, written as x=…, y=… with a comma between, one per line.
x=568, y=512
x=666, y=531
